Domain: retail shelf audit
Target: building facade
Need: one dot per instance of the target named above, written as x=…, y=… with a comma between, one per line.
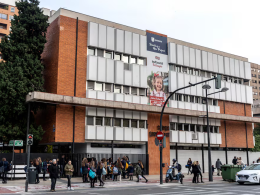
x=121, y=64
x=255, y=82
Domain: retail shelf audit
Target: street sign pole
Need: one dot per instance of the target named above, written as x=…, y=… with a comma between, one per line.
x=13, y=160
x=28, y=149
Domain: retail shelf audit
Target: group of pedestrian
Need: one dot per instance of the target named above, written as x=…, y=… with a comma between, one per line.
x=195, y=169
x=238, y=161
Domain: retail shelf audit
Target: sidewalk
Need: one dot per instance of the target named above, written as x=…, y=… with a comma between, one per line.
x=17, y=186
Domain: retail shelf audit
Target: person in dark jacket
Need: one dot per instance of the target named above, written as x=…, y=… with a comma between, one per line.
x=85, y=166
x=44, y=169
x=99, y=173
x=38, y=171
x=195, y=171
x=189, y=163
x=258, y=160
x=4, y=166
x=62, y=166
x=213, y=169
x=92, y=168
x=54, y=174
x=140, y=164
x=234, y=161
x=218, y=166
x=199, y=174
x=130, y=171
x=123, y=168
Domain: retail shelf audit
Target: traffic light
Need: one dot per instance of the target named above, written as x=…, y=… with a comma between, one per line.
x=218, y=81
x=30, y=139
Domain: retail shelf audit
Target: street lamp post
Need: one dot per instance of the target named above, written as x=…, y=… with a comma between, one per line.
x=206, y=87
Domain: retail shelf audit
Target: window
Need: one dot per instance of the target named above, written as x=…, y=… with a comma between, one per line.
x=142, y=124
x=190, y=71
x=117, y=122
x=12, y=9
x=239, y=81
x=3, y=6
x=203, y=101
x=125, y=122
x=108, y=54
x=3, y=16
x=178, y=97
x=125, y=58
x=196, y=72
x=117, y=89
x=197, y=100
x=141, y=61
x=3, y=26
x=134, y=91
x=2, y=35
x=253, y=75
x=186, y=127
x=178, y=69
x=99, y=86
x=90, y=120
x=117, y=56
x=91, y=85
x=126, y=90
x=108, y=87
x=192, y=127
x=179, y=126
x=126, y=66
x=99, y=121
x=11, y=17
x=254, y=81
x=224, y=78
x=215, y=102
x=172, y=126
x=134, y=123
x=184, y=69
x=213, y=75
x=100, y=52
x=142, y=92
x=171, y=67
x=211, y=128
x=192, y=99
x=202, y=73
x=133, y=60
x=91, y=51
x=204, y=128
x=186, y=98
x=107, y=121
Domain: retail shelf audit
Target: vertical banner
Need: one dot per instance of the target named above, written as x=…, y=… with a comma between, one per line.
x=157, y=69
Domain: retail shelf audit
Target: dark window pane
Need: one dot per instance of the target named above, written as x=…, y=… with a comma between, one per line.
x=134, y=123
x=99, y=121
x=107, y=121
x=141, y=124
x=117, y=122
x=90, y=120
x=125, y=123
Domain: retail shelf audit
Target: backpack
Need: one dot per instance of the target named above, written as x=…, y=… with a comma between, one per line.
x=179, y=167
x=115, y=170
x=25, y=169
x=104, y=172
x=92, y=174
x=126, y=166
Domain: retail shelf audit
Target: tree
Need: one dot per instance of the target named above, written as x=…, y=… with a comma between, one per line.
x=21, y=70
x=257, y=138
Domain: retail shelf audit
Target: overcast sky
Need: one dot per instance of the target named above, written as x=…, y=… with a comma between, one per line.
x=227, y=25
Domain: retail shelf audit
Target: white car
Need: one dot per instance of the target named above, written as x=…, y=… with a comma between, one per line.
x=250, y=174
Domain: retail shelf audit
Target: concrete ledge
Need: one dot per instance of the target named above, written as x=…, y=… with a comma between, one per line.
x=87, y=102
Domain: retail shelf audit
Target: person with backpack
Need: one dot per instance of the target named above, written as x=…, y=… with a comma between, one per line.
x=44, y=169
x=99, y=173
x=69, y=169
x=4, y=166
x=92, y=174
x=140, y=164
x=123, y=167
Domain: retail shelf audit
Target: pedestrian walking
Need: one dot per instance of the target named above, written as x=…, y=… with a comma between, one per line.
x=54, y=174
x=218, y=166
x=195, y=171
x=99, y=173
x=199, y=173
x=69, y=169
x=62, y=165
x=36, y=164
x=4, y=169
x=44, y=169
x=85, y=167
x=92, y=174
x=119, y=167
x=234, y=161
x=140, y=164
x=189, y=163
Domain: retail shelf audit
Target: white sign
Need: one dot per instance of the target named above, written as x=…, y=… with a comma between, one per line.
x=156, y=62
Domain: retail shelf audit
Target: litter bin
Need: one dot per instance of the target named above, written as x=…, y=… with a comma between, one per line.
x=32, y=175
x=229, y=172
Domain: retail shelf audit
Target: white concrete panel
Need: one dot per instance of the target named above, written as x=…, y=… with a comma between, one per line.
x=90, y=132
x=228, y=93
x=200, y=107
x=222, y=95
x=217, y=109
x=182, y=137
x=226, y=66
x=128, y=42
x=194, y=120
x=110, y=71
x=100, y=132
x=101, y=69
x=219, y=139
x=101, y=95
x=215, y=63
x=143, y=100
x=136, y=134
x=101, y=112
x=198, y=58
x=144, y=135
x=200, y=121
x=92, y=68
x=136, y=43
x=205, y=138
x=128, y=134
x=119, y=97
x=247, y=70
x=136, y=99
x=186, y=53
x=188, y=136
x=193, y=90
x=204, y=60
x=232, y=66
x=118, y=133
x=186, y=83
x=187, y=105
x=173, y=104
x=91, y=94
x=128, y=114
x=195, y=141
x=212, y=122
x=136, y=115
x=119, y=72
x=200, y=137
x=109, y=112
x=128, y=98
x=210, y=62
x=119, y=40
x=110, y=38
x=211, y=108
x=119, y=113
x=142, y=78
x=180, y=54
x=91, y=111
x=180, y=81
x=237, y=68
x=174, y=137
x=128, y=77
x=102, y=36
x=181, y=120
x=142, y=46
x=181, y=105
x=188, y=120
x=92, y=34
x=249, y=95
x=241, y=69
x=109, y=133
x=172, y=81
x=110, y=96
x=192, y=58
x=233, y=92
x=194, y=106
x=213, y=138
x=144, y=116
x=220, y=64
x=199, y=87
x=135, y=75
x=173, y=118
x=243, y=93
x=238, y=92
x=172, y=53
x=218, y=123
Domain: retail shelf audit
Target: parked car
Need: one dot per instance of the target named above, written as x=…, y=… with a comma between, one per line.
x=250, y=174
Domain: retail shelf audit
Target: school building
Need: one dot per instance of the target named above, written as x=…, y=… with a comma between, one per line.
x=106, y=82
